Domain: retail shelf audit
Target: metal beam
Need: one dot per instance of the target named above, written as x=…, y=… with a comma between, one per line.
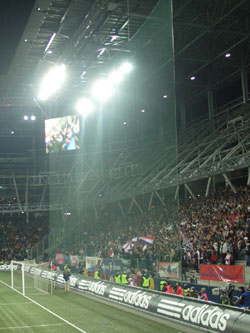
x=120, y=206
x=131, y=205
x=160, y=198
x=150, y=200
x=229, y=182
x=177, y=192
x=248, y=178
x=208, y=186
x=17, y=194
x=190, y=191
x=138, y=206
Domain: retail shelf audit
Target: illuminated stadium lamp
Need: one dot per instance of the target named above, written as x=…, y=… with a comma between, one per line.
x=125, y=68
x=12, y=132
x=102, y=90
x=142, y=110
x=52, y=82
x=84, y=106
x=124, y=123
x=227, y=55
x=192, y=78
x=115, y=77
x=32, y=117
x=25, y=117
x=165, y=96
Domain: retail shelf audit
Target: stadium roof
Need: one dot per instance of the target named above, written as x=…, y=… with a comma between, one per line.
x=86, y=35
x=74, y=31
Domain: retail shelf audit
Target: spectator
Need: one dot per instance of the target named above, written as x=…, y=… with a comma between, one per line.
x=167, y=288
x=213, y=258
x=247, y=251
x=203, y=295
x=228, y=258
x=244, y=299
x=178, y=290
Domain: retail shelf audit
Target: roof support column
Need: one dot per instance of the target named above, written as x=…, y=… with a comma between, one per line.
x=138, y=206
x=183, y=116
x=150, y=201
x=120, y=206
x=190, y=191
x=160, y=198
x=248, y=178
x=244, y=86
x=177, y=192
x=27, y=200
x=208, y=186
x=17, y=194
x=131, y=205
x=210, y=101
x=228, y=182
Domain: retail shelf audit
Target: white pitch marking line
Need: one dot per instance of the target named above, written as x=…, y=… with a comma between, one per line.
x=21, y=327
x=43, y=307
x=14, y=303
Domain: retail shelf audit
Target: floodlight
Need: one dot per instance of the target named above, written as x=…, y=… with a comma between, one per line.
x=102, y=89
x=84, y=106
x=52, y=82
x=165, y=96
x=32, y=117
x=12, y=132
x=115, y=77
x=192, y=78
x=227, y=55
x=125, y=68
x=124, y=123
x=25, y=117
x=52, y=37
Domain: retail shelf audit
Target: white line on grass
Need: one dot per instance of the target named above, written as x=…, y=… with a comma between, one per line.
x=21, y=327
x=43, y=307
x=14, y=303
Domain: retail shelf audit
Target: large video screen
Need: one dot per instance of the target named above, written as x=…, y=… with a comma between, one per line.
x=62, y=134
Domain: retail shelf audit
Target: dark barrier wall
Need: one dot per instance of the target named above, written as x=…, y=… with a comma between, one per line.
x=191, y=312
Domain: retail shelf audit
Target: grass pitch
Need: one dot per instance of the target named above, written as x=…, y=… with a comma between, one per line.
x=63, y=312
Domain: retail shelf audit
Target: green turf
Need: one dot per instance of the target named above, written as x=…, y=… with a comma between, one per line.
x=87, y=314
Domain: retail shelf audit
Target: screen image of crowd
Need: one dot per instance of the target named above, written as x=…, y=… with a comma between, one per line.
x=209, y=230
x=62, y=134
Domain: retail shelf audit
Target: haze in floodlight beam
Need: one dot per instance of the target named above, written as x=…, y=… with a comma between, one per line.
x=84, y=106
x=52, y=82
x=102, y=89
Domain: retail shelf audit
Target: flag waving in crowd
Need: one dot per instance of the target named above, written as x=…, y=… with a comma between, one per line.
x=146, y=240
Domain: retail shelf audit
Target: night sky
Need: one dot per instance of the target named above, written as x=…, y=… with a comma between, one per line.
x=14, y=15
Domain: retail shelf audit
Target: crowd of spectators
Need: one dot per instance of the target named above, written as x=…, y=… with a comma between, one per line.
x=213, y=229
x=106, y=235
x=217, y=227
x=17, y=235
